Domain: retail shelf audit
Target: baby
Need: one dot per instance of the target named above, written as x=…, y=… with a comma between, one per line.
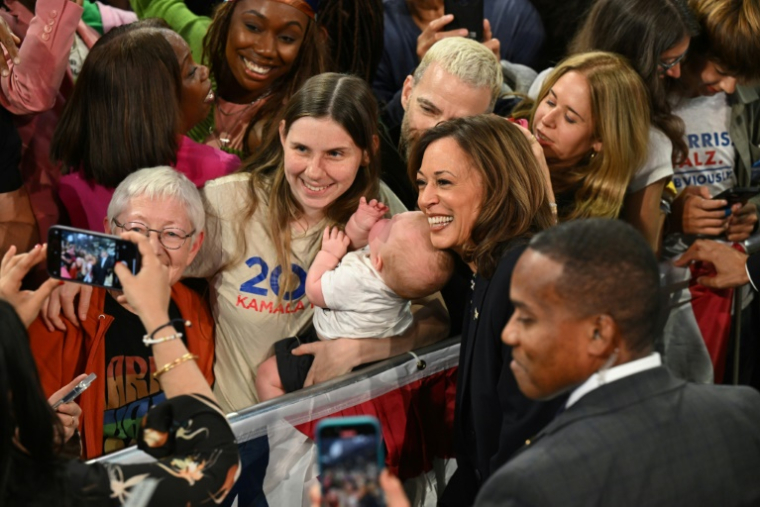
x=363, y=293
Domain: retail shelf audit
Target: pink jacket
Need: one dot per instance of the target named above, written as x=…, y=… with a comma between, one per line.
x=37, y=88
x=87, y=202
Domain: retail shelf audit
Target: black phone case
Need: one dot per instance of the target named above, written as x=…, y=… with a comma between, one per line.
x=738, y=194
x=467, y=14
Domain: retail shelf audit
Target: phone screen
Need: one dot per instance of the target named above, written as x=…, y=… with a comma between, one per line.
x=350, y=461
x=81, y=256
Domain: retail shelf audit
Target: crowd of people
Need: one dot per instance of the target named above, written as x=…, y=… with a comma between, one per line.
x=318, y=185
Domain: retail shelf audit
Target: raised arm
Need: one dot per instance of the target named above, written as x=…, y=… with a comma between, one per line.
x=641, y=209
x=149, y=293
x=334, y=247
x=35, y=76
x=360, y=223
x=180, y=18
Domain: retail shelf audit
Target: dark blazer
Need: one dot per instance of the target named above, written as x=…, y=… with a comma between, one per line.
x=753, y=268
x=99, y=273
x=645, y=440
x=492, y=417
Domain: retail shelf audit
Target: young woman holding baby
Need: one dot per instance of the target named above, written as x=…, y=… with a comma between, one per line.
x=269, y=221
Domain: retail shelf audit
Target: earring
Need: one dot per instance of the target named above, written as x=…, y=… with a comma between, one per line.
x=592, y=156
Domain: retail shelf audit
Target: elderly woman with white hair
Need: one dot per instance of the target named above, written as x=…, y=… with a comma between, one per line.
x=165, y=206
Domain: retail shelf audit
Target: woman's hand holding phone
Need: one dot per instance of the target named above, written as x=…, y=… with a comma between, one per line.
x=148, y=292
x=68, y=413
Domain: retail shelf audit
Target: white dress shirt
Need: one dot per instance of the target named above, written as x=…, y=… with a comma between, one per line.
x=653, y=360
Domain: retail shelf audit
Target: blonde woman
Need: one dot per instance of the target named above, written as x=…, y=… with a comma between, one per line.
x=592, y=120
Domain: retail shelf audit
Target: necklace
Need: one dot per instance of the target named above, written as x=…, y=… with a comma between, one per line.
x=223, y=131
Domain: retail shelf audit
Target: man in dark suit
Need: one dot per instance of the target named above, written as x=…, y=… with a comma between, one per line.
x=103, y=266
x=732, y=267
x=587, y=310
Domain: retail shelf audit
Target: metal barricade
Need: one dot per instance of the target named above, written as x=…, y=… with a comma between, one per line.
x=279, y=430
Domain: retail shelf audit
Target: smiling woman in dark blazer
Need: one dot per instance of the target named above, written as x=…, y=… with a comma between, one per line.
x=485, y=195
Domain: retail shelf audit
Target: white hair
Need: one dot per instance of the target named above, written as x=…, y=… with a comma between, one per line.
x=159, y=183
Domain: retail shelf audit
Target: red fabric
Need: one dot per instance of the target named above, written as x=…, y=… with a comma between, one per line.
x=712, y=310
x=62, y=355
x=417, y=422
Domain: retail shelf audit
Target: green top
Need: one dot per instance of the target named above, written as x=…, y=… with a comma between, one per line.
x=91, y=16
x=182, y=20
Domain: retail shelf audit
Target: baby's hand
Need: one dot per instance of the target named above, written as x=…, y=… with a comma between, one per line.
x=367, y=214
x=335, y=242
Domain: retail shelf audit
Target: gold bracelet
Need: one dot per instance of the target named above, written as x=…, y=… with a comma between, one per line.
x=173, y=364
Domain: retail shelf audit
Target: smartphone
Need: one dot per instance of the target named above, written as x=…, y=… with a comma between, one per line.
x=74, y=393
x=77, y=255
x=467, y=14
x=351, y=457
x=738, y=195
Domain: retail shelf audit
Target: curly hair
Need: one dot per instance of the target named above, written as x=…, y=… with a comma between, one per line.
x=309, y=62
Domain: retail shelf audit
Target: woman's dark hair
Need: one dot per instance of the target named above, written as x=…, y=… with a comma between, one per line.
x=124, y=113
x=310, y=62
x=23, y=408
x=346, y=100
x=515, y=202
x=355, y=29
x=641, y=30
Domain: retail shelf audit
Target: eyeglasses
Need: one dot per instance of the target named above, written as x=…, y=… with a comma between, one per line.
x=667, y=66
x=171, y=238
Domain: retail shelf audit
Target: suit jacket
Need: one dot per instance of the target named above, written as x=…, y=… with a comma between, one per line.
x=647, y=439
x=492, y=417
x=100, y=269
x=753, y=268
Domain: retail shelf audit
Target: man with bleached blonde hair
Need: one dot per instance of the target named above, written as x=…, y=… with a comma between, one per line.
x=457, y=77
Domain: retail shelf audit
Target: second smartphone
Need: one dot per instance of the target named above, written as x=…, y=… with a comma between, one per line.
x=78, y=255
x=351, y=457
x=468, y=14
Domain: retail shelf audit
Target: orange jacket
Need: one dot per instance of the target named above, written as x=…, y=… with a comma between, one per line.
x=62, y=355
